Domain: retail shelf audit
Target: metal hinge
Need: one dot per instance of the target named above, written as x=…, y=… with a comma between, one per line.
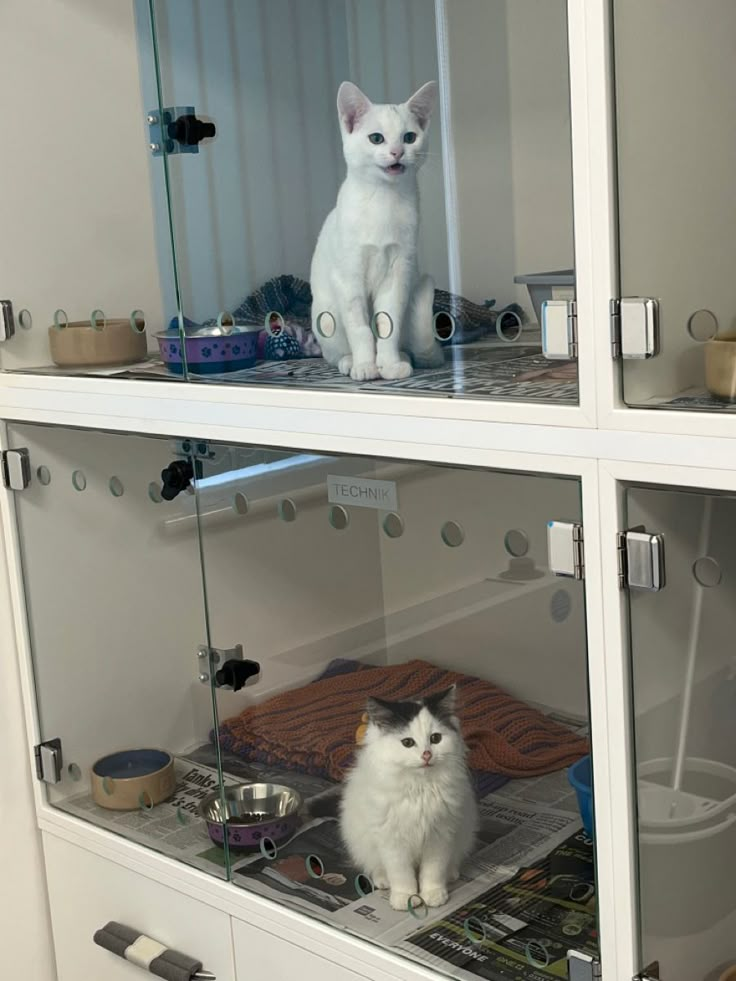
x=177, y=129
x=650, y=973
x=16, y=469
x=560, y=329
x=7, y=320
x=48, y=760
x=640, y=560
x=582, y=967
x=565, y=549
x=228, y=668
x=634, y=327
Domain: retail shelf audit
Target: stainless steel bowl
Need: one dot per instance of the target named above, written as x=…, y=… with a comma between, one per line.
x=252, y=812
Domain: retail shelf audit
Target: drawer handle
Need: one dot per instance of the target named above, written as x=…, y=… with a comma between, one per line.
x=157, y=959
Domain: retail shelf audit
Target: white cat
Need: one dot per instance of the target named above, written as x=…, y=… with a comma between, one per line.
x=408, y=813
x=365, y=261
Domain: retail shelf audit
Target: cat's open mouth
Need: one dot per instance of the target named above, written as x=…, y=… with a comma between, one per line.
x=396, y=168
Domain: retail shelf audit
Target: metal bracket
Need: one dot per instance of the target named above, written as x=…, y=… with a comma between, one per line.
x=177, y=129
x=48, y=760
x=640, y=560
x=560, y=329
x=650, y=973
x=582, y=967
x=197, y=448
x=7, y=320
x=16, y=468
x=566, y=549
x=209, y=660
x=229, y=669
x=634, y=327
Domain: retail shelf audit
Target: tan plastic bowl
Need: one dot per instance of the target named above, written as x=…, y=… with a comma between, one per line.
x=729, y=974
x=79, y=344
x=132, y=779
x=720, y=368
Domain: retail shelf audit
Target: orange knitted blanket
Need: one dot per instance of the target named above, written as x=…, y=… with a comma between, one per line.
x=312, y=729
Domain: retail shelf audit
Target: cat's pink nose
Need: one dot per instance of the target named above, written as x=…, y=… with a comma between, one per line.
x=426, y=756
x=397, y=154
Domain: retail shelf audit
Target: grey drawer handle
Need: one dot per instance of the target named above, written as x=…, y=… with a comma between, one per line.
x=152, y=956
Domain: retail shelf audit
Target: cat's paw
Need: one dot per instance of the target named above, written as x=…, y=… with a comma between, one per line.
x=380, y=880
x=400, y=900
x=395, y=369
x=364, y=371
x=434, y=895
x=345, y=364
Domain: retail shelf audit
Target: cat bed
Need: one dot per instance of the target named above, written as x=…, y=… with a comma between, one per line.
x=312, y=729
x=292, y=298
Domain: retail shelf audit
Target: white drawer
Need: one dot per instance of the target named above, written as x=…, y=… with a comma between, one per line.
x=262, y=955
x=85, y=892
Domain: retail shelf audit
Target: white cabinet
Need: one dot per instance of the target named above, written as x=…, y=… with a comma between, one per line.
x=86, y=892
x=261, y=954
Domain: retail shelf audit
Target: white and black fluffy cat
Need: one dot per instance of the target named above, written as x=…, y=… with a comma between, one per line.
x=407, y=810
x=365, y=261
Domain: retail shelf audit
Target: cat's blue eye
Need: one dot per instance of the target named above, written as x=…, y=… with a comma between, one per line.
x=410, y=137
x=435, y=738
x=376, y=139
x=408, y=742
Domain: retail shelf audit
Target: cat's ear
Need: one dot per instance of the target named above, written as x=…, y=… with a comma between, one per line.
x=352, y=105
x=422, y=103
x=442, y=703
x=381, y=713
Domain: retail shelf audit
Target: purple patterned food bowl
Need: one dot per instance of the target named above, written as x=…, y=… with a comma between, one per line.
x=253, y=812
x=210, y=350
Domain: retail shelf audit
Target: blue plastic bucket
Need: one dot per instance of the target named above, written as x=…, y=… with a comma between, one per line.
x=580, y=776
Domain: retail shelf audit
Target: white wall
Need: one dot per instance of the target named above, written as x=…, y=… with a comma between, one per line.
x=74, y=195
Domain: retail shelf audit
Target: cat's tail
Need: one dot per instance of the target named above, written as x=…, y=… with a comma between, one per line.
x=324, y=805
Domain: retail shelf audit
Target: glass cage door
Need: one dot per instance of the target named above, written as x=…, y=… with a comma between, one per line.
x=451, y=240
x=684, y=697
x=348, y=579
x=116, y=619
x=676, y=150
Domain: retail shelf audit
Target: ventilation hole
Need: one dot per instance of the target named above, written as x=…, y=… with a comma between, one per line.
x=182, y=817
x=581, y=892
x=560, y=606
x=108, y=785
x=74, y=772
x=702, y=325
x=154, y=493
x=287, y=510
x=443, y=325
x=137, y=321
x=707, y=571
x=382, y=325
x=269, y=849
x=275, y=324
x=393, y=525
x=145, y=801
x=97, y=320
x=116, y=487
x=537, y=954
x=339, y=517
x=326, y=325
x=417, y=907
x=44, y=476
x=25, y=320
x=60, y=319
x=315, y=866
x=508, y=326
x=452, y=534
x=474, y=929
x=363, y=884
x=516, y=542
x=240, y=503
x=225, y=321
x=574, y=924
x=79, y=481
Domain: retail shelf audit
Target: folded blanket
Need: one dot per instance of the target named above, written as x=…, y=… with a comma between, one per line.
x=312, y=729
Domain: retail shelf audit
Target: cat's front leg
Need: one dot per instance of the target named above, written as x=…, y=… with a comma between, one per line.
x=400, y=876
x=434, y=873
x=388, y=323
x=361, y=340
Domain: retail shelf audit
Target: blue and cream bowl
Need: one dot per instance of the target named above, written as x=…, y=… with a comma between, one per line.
x=210, y=350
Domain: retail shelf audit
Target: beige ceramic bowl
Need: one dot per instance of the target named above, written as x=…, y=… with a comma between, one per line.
x=79, y=344
x=133, y=779
x=720, y=367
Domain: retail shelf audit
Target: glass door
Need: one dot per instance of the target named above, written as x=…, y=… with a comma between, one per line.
x=112, y=580
x=447, y=126
x=394, y=615
x=676, y=151
x=684, y=696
